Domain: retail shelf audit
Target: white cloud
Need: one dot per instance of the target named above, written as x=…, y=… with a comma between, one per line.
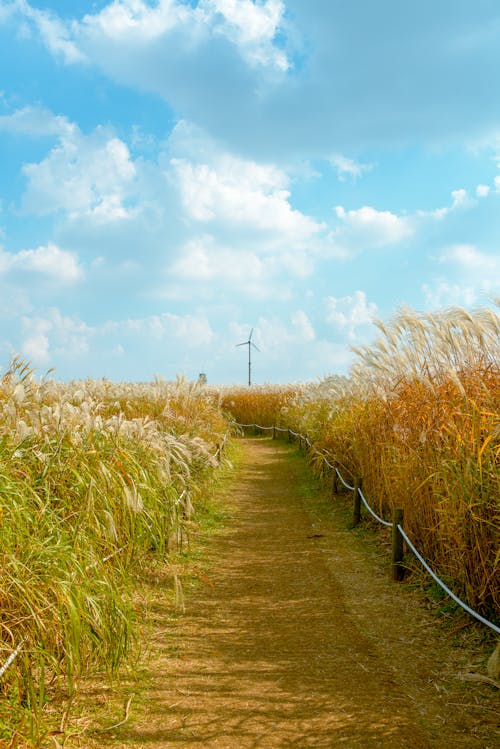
x=445, y=294
x=36, y=348
x=53, y=334
x=201, y=259
x=242, y=52
x=51, y=338
x=130, y=20
x=366, y=228
x=55, y=33
x=135, y=24
x=349, y=313
x=303, y=326
x=58, y=265
x=251, y=26
x=244, y=193
x=37, y=122
x=192, y=330
x=81, y=175
x=482, y=191
x=461, y=199
x=348, y=167
x=208, y=269
x=471, y=276
x=470, y=259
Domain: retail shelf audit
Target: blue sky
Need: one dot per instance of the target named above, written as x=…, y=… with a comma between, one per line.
x=173, y=174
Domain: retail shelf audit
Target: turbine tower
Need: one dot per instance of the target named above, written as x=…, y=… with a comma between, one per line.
x=249, y=344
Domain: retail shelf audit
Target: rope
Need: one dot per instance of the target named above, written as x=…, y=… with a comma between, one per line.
x=380, y=520
x=347, y=486
x=12, y=657
x=257, y=426
x=445, y=587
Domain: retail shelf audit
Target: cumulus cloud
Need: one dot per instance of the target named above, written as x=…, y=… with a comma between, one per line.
x=50, y=261
x=349, y=313
x=244, y=193
x=367, y=228
x=81, y=175
x=137, y=25
x=251, y=26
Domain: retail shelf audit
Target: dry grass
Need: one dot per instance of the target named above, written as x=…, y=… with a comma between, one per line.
x=263, y=405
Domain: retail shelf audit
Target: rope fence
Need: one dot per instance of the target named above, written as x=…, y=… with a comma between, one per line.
x=12, y=657
x=398, y=533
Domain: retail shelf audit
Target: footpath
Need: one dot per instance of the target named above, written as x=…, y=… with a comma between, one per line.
x=295, y=637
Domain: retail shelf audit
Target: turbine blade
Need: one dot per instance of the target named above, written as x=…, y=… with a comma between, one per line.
x=250, y=336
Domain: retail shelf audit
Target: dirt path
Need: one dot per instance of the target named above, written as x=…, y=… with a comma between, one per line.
x=296, y=641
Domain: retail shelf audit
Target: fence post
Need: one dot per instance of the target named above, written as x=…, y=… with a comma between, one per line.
x=289, y=435
x=335, y=482
x=356, y=515
x=274, y=433
x=398, y=570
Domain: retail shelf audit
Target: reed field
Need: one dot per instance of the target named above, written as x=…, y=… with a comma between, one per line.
x=95, y=477
x=98, y=476
x=259, y=404
x=419, y=420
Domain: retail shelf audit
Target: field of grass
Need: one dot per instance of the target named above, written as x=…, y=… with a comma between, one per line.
x=419, y=420
x=94, y=478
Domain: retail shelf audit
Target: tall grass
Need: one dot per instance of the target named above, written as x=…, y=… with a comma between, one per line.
x=419, y=420
x=93, y=477
x=261, y=404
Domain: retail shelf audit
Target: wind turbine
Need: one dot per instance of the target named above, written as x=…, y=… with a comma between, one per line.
x=249, y=344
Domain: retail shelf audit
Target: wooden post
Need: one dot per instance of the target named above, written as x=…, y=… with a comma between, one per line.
x=398, y=570
x=356, y=515
x=289, y=435
x=335, y=483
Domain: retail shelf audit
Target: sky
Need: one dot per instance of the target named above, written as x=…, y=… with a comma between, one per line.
x=174, y=173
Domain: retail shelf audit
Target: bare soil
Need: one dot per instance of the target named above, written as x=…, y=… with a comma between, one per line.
x=295, y=637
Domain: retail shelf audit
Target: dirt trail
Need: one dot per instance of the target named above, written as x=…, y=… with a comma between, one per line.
x=280, y=650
